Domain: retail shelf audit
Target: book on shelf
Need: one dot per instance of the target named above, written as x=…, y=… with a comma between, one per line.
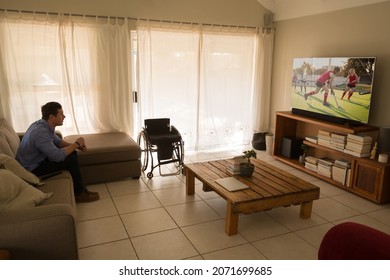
x=326, y=161
x=323, y=138
x=337, y=141
x=339, y=173
x=324, y=166
x=357, y=154
x=342, y=163
x=348, y=177
x=311, y=159
x=336, y=136
x=311, y=166
x=323, y=142
x=312, y=139
x=358, y=148
x=359, y=138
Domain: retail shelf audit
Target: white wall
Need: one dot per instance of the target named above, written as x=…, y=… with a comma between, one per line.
x=361, y=31
x=230, y=12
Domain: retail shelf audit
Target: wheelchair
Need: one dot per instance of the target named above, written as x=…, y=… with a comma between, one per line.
x=159, y=136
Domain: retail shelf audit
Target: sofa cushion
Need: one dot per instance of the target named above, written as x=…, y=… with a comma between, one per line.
x=14, y=166
x=62, y=187
x=9, y=139
x=107, y=147
x=16, y=194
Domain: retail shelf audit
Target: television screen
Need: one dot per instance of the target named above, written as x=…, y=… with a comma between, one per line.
x=336, y=89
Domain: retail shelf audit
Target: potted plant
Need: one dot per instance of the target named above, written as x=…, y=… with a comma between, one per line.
x=247, y=168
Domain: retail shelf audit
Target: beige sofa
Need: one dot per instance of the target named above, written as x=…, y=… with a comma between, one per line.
x=44, y=231
x=110, y=156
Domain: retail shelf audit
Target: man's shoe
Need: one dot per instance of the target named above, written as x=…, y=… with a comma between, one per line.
x=94, y=193
x=87, y=196
x=326, y=104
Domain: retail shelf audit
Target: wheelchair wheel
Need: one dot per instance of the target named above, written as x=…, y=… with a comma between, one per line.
x=178, y=153
x=149, y=175
x=143, y=143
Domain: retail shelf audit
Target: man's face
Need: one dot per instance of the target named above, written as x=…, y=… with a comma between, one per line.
x=59, y=119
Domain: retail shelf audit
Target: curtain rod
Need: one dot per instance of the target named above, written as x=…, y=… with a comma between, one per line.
x=129, y=18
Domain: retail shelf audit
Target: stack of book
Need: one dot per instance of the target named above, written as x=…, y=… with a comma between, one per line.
x=233, y=166
x=311, y=163
x=323, y=138
x=312, y=139
x=337, y=141
x=324, y=166
x=340, y=171
x=358, y=145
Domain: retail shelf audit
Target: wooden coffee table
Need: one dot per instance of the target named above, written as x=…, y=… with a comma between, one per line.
x=270, y=187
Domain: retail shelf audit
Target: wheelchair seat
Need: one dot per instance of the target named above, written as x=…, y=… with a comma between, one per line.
x=159, y=136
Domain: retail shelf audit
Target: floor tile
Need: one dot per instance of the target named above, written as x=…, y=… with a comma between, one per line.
x=332, y=210
x=103, y=207
x=368, y=221
x=117, y=250
x=149, y=221
x=302, y=175
x=169, y=182
x=200, y=156
x=328, y=189
x=192, y=213
x=241, y=252
x=358, y=203
x=126, y=187
x=314, y=235
x=209, y=237
x=281, y=165
x=204, y=195
x=259, y=226
x=289, y=217
x=219, y=205
x=100, y=231
x=381, y=215
x=136, y=202
x=286, y=247
x=155, y=219
x=166, y=245
x=174, y=196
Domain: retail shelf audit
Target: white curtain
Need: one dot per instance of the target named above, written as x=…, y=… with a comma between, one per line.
x=262, y=98
x=204, y=79
x=81, y=62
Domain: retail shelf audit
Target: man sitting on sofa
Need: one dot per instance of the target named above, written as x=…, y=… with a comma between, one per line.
x=42, y=152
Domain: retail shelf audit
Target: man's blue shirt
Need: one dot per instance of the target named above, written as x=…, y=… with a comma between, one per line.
x=39, y=143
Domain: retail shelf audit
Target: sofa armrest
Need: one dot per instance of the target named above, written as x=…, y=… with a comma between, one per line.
x=21, y=134
x=45, y=232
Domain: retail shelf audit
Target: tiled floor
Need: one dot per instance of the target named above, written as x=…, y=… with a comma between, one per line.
x=155, y=219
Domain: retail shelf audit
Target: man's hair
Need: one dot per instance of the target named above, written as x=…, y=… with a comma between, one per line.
x=336, y=69
x=50, y=108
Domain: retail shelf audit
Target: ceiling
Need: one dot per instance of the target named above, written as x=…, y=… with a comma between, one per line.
x=289, y=9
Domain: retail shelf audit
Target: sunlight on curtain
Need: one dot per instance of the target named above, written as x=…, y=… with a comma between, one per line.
x=262, y=100
x=202, y=79
x=226, y=68
x=168, y=78
x=77, y=61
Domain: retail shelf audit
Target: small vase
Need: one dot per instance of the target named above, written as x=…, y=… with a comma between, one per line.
x=246, y=170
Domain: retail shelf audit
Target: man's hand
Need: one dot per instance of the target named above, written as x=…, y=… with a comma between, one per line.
x=81, y=143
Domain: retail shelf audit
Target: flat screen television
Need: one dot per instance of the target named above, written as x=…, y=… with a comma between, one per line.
x=334, y=89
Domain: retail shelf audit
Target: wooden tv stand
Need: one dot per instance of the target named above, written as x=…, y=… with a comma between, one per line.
x=368, y=178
